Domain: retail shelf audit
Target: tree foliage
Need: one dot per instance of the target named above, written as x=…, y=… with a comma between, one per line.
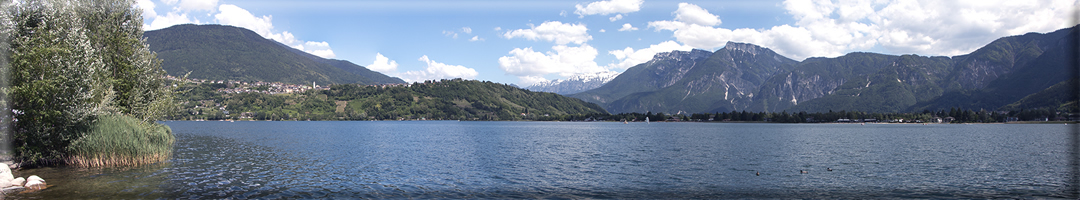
x=71, y=61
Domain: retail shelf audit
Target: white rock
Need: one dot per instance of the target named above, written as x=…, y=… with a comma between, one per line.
x=34, y=182
x=18, y=181
x=5, y=175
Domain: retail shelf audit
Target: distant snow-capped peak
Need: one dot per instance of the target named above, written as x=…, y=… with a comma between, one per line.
x=576, y=83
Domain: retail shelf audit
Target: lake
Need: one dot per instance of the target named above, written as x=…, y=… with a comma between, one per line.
x=451, y=159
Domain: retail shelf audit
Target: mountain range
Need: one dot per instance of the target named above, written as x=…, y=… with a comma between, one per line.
x=574, y=84
x=1015, y=72
x=218, y=52
x=747, y=77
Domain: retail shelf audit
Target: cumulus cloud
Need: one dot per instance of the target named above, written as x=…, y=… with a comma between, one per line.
x=553, y=31
x=628, y=27
x=476, y=38
x=321, y=49
x=615, y=18
x=562, y=60
x=193, y=5
x=826, y=28
x=531, y=80
x=437, y=70
x=629, y=57
x=148, y=9
x=608, y=7
x=383, y=64
x=169, y=19
x=694, y=14
x=235, y=16
x=466, y=30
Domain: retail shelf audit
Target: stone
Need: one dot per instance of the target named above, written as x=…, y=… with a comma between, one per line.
x=18, y=181
x=35, y=183
x=5, y=175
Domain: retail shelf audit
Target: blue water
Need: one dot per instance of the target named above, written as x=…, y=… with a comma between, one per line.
x=450, y=159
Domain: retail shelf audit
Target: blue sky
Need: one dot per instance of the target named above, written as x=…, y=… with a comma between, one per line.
x=524, y=42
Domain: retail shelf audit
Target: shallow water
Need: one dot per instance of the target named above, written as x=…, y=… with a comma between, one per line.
x=449, y=159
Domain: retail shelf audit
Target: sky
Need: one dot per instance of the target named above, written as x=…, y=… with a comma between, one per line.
x=526, y=42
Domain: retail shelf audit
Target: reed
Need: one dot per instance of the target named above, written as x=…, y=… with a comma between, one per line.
x=119, y=140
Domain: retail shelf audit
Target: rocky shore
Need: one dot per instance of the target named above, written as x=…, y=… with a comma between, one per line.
x=9, y=184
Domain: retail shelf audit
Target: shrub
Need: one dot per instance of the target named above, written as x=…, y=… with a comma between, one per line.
x=120, y=140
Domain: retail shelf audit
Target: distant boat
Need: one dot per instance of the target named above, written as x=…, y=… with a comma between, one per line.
x=646, y=120
x=624, y=122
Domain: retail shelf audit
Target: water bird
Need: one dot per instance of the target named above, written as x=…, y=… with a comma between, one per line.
x=802, y=171
x=757, y=173
x=828, y=169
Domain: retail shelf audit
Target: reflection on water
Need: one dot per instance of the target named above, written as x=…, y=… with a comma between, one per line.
x=587, y=160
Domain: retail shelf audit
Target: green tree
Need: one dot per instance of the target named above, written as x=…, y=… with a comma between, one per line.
x=73, y=61
x=134, y=73
x=57, y=79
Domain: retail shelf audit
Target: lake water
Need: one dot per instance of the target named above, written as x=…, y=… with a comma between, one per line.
x=450, y=159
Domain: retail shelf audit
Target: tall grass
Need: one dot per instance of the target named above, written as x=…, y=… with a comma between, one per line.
x=120, y=140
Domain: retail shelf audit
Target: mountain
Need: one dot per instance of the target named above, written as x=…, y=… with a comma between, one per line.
x=1057, y=96
x=695, y=81
x=218, y=52
x=574, y=84
x=660, y=72
x=748, y=77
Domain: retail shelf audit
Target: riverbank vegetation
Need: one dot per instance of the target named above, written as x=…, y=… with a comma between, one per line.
x=83, y=84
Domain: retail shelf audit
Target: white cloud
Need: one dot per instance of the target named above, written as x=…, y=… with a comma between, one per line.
x=476, y=38
x=602, y=30
x=235, y=16
x=826, y=28
x=383, y=64
x=466, y=30
x=450, y=34
x=615, y=18
x=693, y=14
x=169, y=2
x=553, y=31
x=436, y=70
x=563, y=60
x=194, y=5
x=531, y=80
x=148, y=8
x=628, y=27
x=321, y=49
x=169, y=19
x=629, y=57
x=608, y=7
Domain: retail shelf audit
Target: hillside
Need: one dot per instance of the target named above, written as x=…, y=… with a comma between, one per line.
x=748, y=77
x=218, y=52
x=432, y=100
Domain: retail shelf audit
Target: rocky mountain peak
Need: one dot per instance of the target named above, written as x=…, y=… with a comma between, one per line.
x=695, y=54
x=745, y=47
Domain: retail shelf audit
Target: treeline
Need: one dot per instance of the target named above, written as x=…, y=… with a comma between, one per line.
x=455, y=99
x=953, y=115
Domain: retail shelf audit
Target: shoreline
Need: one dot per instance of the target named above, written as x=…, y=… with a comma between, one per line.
x=731, y=122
